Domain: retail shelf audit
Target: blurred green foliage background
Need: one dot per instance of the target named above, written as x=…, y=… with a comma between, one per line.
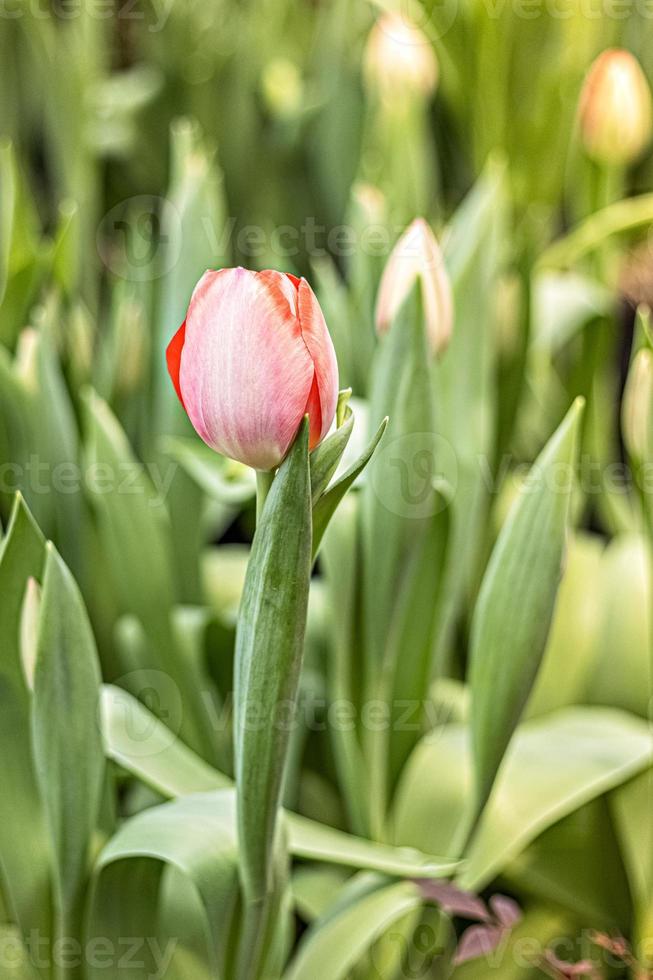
x=144, y=142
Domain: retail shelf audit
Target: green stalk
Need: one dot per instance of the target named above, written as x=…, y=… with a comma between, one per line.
x=264, y=480
x=267, y=664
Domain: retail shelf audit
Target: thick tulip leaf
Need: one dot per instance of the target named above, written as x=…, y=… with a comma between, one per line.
x=475, y=252
x=195, y=835
x=340, y=563
x=134, y=534
x=268, y=657
x=433, y=792
x=24, y=842
x=516, y=602
x=317, y=842
x=558, y=763
x=313, y=888
x=143, y=746
x=577, y=865
x=326, y=457
x=17, y=964
x=631, y=811
x=576, y=626
x=326, y=506
x=621, y=675
x=553, y=766
x=67, y=743
x=398, y=495
x=140, y=743
x=133, y=521
x=334, y=944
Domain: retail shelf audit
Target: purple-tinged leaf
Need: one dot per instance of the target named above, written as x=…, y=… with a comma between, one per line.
x=478, y=941
x=506, y=910
x=454, y=901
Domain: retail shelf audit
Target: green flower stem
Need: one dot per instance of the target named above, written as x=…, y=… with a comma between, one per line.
x=264, y=480
x=625, y=215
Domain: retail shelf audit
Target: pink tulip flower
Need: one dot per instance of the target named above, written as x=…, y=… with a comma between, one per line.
x=252, y=357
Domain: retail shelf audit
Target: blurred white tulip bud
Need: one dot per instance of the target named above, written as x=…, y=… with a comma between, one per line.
x=282, y=88
x=417, y=255
x=637, y=408
x=28, y=629
x=615, y=110
x=399, y=59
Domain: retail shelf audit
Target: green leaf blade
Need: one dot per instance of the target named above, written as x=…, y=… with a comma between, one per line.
x=516, y=602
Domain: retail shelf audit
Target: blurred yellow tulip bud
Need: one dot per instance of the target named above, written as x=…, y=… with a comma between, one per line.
x=282, y=88
x=80, y=344
x=417, y=255
x=132, y=346
x=370, y=203
x=637, y=408
x=399, y=59
x=615, y=109
x=27, y=353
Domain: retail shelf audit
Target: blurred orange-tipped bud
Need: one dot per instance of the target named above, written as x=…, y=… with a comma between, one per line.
x=399, y=59
x=616, y=120
x=417, y=255
x=637, y=409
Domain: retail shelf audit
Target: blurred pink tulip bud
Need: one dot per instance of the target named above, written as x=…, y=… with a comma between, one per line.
x=615, y=109
x=417, y=255
x=251, y=359
x=399, y=59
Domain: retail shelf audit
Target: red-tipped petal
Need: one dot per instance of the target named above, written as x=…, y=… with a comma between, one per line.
x=323, y=395
x=173, y=359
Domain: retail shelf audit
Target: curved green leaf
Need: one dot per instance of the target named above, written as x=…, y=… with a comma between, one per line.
x=67, y=744
x=333, y=945
x=142, y=745
x=516, y=601
x=25, y=853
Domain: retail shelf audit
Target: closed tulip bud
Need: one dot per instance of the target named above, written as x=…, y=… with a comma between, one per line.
x=252, y=357
x=283, y=88
x=132, y=346
x=399, y=59
x=416, y=256
x=615, y=109
x=637, y=409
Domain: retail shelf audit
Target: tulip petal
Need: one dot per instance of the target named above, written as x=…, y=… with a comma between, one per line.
x=323, y=396
x=246, y=371
x=173, y=358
